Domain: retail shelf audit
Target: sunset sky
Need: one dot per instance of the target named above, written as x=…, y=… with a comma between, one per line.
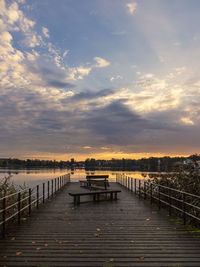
x=99, y=78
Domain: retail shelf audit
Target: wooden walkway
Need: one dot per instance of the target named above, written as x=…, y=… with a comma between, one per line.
x=126, y=232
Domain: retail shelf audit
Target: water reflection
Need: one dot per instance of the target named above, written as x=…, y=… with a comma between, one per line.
x=32, y=177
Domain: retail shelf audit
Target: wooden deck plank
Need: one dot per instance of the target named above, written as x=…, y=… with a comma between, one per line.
x=126, y=232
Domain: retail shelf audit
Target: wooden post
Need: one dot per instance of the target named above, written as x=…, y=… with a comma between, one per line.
x=52, y=187
x=4, y=217
x=145, y=191
x=29, y=201
x=37, y=196
x=139, y=188
x=48, y=189
x=135, y=186
x=170, y=202
x=151, y=188
x=43, y=192
x=132, y=184
x=159, y=202
x=184, y=209
x=19, y=208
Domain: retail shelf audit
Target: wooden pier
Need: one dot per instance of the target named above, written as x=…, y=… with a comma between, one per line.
x=123, y=232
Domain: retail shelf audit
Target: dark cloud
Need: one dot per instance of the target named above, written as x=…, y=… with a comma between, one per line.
x=50, y=74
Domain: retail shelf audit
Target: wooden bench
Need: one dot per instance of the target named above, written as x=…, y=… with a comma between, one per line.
x=95, y=194
x=95, y=182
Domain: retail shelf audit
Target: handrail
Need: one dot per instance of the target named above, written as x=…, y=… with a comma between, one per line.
x=32, y=199
x=172, y=198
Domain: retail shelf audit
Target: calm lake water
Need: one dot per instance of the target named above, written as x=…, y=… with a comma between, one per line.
x=33, y=177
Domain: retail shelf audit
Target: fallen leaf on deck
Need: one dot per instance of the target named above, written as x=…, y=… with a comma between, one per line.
x=65, y=241
x=33, y=242
x=96, y=235
x=132, y=241
x=111, y=260
x=158, y=228
x=98, y=229
x=81, y=252
x=121, y=228
x=142, y=258
x=37, y=248
x=46, y=245
x=18, y=253
x=147, y=219
x=60, y=242
x=13, y=238
x=83, y=238
x=75, y=245
x=23, y=219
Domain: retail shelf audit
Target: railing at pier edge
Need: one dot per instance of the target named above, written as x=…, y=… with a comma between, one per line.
x=181, y=203
x=21, y=203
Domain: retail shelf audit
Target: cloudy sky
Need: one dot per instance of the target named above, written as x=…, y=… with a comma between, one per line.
x=99, y=78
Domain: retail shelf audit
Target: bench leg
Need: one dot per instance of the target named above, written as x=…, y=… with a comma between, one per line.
x=115, y=196
x=94, y=197
x=111, y=195
x=97, y=197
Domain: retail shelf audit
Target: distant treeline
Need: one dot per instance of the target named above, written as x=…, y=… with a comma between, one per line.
x=144, y=164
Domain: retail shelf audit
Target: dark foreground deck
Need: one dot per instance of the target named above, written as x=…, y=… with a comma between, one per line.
x=126, y=232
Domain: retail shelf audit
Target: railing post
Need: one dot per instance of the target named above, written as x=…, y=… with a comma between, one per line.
x=132, y=184
x=145, y=192
x=52, y=187
x=139, y=188
x=184, y=209
x=4, y=217
x=151, y=192
x=135, y=186
x=159, y=197
x=55, y=186
x=29, y=201
x=170, y=202
x=19, y=208
x=37, y=196
x=43, y=192
x=48, y=189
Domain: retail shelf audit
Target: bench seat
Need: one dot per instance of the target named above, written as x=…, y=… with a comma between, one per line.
x=95, y=194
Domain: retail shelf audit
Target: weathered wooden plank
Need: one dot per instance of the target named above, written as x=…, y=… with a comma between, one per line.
x=123, y=233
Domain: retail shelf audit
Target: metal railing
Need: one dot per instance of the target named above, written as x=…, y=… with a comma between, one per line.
x=21, y=203
x=185, y=205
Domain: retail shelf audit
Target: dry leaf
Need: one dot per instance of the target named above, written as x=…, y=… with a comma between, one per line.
x=75, y=245
x=96, y=235
x=147, y=219
x=60, y=242
x=18, y=253
x=111, y=260
x=81, y=252
x=13, y=238
x=37, y=248
x=46, y=245
x=121, y=228
x=98, y=229
x=33, y=242
x=83, y=238
x=132, y=241
x=65, y=241
x=158, y=228
x=142, y=258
